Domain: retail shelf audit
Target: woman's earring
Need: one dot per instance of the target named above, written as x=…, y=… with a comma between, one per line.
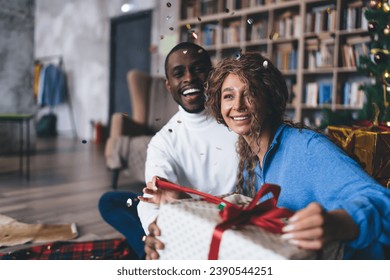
x=229, y=128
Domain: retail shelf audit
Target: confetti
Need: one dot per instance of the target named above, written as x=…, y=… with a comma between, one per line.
x=170, y=130
x=169, y=4
x=178, y=121
x=168, y=17
x=200, y=51
x=221, y=206
x=185, y=51
x=227, y=10
x=194, y=35
x=129, y=202
x=188, y=26
x=162, y=37
x=249, y=20
x=157, y=119
x=171, y=28
x=199, y=19
x=84, y=141
x=265, y=64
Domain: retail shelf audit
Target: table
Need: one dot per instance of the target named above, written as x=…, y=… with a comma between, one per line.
x=21, y=119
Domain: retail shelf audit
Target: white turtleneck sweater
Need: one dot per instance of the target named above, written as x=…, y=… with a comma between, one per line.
x=194, y=151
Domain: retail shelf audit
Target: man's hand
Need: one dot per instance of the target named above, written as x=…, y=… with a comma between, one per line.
x=152, y=243
x=159, y=196
x=312, y=227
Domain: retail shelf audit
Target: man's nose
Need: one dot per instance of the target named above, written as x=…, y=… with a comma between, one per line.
x=188, y=76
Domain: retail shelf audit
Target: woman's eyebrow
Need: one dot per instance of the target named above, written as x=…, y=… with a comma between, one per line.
x=228, y=89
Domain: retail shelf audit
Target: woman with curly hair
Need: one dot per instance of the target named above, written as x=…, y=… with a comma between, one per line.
x=334, y=198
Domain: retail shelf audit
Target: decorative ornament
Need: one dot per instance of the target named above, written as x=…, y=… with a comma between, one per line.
x=375, y=4
x=386, y=7
x=372, y=26
x=380, y=57
x=386, y=78
x=386, y=30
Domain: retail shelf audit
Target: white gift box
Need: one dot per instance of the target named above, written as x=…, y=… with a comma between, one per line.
x=187, y=228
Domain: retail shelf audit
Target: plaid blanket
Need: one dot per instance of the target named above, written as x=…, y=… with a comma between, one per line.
x=112, y=249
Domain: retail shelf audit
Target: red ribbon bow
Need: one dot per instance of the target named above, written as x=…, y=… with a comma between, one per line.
x=265, y=214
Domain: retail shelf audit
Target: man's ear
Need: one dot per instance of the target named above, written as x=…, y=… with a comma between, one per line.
x=167, y=86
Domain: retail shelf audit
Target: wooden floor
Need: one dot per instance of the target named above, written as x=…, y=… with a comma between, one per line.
x=67, y=180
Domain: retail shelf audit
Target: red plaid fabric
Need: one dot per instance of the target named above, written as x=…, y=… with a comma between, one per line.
x=112, y=249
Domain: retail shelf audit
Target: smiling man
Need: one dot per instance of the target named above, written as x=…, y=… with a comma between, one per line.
x=192, y=149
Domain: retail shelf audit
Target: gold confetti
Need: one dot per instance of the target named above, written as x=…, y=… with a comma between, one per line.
x=188, y=26
x=249, y=20
x=194, y=35
x=169, y=4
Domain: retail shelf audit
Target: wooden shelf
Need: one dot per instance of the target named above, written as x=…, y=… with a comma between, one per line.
x=315, y=44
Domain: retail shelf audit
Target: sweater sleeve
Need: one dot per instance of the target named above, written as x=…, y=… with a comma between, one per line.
x=159, y=162
x=342, y=184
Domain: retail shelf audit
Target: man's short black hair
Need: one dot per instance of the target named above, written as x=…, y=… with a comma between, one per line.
x=188, y=45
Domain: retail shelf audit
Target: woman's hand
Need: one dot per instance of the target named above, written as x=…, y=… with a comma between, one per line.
x=312, y=227
x=159, y=196
x=152, y=243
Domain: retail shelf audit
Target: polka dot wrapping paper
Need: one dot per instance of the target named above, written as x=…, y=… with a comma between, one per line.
x=187, y=228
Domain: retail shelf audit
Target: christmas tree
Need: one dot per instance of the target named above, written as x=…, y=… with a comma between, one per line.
x=377, y=64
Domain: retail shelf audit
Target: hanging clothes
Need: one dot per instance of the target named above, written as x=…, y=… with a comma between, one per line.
x=52, y=86
x=37, y=74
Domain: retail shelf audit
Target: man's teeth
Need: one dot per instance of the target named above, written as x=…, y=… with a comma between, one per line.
x=190, y=91
x=240, y=118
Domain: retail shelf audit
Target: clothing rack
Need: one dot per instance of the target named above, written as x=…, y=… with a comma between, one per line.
x=46, y=60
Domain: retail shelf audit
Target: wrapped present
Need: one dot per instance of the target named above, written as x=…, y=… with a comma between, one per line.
x=244, y=229
x=369, y=145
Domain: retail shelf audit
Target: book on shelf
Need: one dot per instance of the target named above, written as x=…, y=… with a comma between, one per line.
x=353, y=95
x=259, y=30
x=312, y=94
x=321, y=19
x=208, y=7
x=354, y=48
x=325, y=93
x=232, y=32
x=353, y=16
x=286, y=57
x=326, y=53
x=284, y=24
x=209, y=34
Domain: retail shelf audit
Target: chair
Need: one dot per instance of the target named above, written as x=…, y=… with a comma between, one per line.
x=152, y=106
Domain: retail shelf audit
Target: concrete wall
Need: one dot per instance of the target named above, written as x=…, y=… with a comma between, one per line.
x=16, y=66
x=78, y=30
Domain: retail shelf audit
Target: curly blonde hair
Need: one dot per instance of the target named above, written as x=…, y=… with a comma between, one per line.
x=262, y=79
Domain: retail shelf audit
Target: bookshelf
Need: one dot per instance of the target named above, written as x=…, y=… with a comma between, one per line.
x=315, y=43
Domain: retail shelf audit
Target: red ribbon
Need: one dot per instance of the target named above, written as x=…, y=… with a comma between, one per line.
x=265, y=214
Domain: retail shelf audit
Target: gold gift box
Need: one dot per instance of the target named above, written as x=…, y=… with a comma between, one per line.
x=370, y=146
